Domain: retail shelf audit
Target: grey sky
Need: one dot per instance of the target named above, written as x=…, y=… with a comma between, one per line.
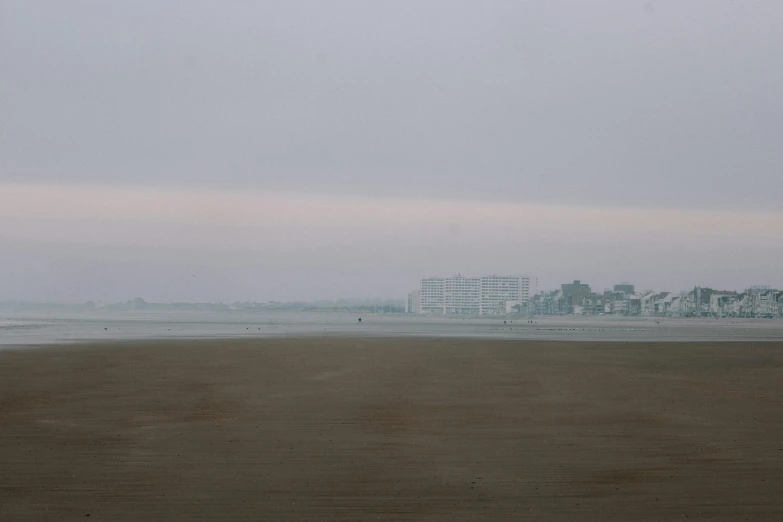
x=656, y=103
x=626, y=104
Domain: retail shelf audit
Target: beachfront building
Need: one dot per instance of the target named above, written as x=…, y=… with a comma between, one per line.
x=413, y=303
x=765, y=302
x=462, y=295
x=675, y=306
x=486, y=295
x=655, y=304
x=431, y=296
x=616, y=303
x=575, y=292
x=647, y=303
x=550, y=303
x=497, y=291
x=722, y=303
x=663, y=302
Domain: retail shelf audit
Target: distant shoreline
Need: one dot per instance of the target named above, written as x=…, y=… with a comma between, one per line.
x=34, y=329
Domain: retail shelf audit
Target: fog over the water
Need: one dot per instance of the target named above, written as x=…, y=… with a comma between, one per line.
x=306, y=150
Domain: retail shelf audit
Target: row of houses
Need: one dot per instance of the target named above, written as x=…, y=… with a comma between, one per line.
x=578, y=298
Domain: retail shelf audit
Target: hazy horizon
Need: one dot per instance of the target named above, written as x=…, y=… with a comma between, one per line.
x=253, y=151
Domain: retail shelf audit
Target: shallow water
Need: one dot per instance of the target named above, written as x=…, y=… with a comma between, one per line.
x=36, y=329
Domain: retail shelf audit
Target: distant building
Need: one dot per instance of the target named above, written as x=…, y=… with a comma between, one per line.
x=413, y=303
x=676, y=305
x=647, y=303
x=460, y=295
x=431, y=296
x=496, y=291
x=635, y=304
x=616, y=302
x=592, y=304
x=550, y=303
x=575, y=292
x=722, y=303
x=625, y=288
x=663, y=302
x=765, y=303
x=697, y=302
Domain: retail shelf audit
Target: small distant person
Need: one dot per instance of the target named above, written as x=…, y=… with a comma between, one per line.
x=360, y=319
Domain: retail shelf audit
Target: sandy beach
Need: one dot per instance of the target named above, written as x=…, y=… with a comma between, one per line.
x=392, y=429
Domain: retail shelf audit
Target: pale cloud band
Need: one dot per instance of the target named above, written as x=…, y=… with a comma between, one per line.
x=79, y=212
x=115, y=242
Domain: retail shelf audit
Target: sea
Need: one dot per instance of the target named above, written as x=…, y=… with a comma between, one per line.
x=26, y=329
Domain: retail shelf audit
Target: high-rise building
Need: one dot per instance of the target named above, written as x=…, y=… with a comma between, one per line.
x=413, y=304
x=432, y=296
x=575, y=292
x=502, y=289
x=462, y=295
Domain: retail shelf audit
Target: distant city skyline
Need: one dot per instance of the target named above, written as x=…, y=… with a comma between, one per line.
x=516, y=296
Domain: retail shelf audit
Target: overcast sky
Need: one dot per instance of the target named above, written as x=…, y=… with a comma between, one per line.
x=323, y=149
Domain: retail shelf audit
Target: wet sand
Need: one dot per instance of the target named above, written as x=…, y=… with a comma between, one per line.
x=392, y=429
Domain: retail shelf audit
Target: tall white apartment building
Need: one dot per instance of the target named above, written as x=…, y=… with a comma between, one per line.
x=431, y=296
x=501, y=289
x=462, y=295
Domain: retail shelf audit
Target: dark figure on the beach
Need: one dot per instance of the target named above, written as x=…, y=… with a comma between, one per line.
x=360, y=319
